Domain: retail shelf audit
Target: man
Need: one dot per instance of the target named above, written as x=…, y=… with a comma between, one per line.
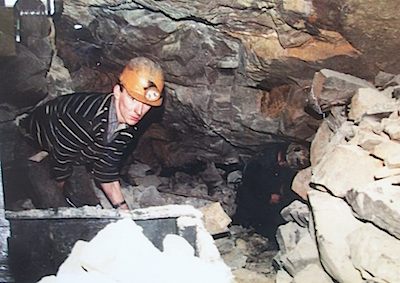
x=266, y=187
x=96, y=130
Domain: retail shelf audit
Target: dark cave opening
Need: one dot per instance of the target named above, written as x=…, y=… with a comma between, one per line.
x=264, y=191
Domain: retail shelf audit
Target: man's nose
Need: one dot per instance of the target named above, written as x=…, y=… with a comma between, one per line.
x=139, y=108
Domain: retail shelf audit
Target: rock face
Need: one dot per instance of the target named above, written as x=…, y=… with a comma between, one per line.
x=241, y=75
x=238, y=75
x=353, y=197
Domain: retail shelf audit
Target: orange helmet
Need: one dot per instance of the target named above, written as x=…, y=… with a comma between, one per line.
x=143, y=79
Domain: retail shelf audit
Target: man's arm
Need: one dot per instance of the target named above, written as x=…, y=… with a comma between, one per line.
x=114, y=194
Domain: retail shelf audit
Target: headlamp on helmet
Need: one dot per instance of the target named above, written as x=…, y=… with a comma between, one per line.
x=151, y=93
x=143, y=80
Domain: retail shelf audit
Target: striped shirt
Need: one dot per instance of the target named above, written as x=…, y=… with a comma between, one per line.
x=74, y=129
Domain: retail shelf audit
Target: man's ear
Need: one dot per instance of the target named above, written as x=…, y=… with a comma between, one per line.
x=117, y=91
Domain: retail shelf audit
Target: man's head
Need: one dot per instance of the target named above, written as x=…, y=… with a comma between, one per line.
x=140, y=87
x=143, y=79
x=298, y=156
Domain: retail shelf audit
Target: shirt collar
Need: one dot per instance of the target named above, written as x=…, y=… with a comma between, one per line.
x=113, y=124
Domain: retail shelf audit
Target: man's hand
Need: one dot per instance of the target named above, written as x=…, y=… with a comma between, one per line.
x=114, y=194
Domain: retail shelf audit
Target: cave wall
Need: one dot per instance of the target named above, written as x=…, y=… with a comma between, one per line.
x=237, y=73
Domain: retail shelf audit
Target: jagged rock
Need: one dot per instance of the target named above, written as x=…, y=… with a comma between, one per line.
x=234, y=178
x=297, y=251
x=242, y=245
x=283, y=277
x=150, y=180
x=341, y=152
x=150, y=197
x=305, y=253
x=211, y=175
x=391, y=127
x=383, y=80
x=333, y=222
x=375, y=253
x=263, y=263
x=330, y=135
x=331, y=88
x=59, y=78
x=301, y=182
x=297, y=212
x=224, y=244
x=7, y=34
x=344, y=168
x=387, y=151
x=386, y=172
x=242, y=248
x=121, y=252
x=27, y=86
x=379, y=203
x=285, y=239
x=367, y=140
x=372, y=124
x=216, y=220
x=393, y=161
x=139, y=170
x=370, y=101
x=319, y=144
x=312, y=273
x=243, y=275
x=235, y=259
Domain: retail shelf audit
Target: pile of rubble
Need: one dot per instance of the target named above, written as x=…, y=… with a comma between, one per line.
x=350, y=231
x=248, y=254
x=144, y=188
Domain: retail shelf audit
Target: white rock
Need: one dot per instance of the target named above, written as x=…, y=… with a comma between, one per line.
x=379, y=203
x=375, y=253
x=371, y=101
x=367, y=140
x=386, y=172
x=392, y=128
x=298, y=212
x=283, y=277
x=305, y=253
x=175, y=245
x=121, y=253
x=288, y=236
x=320, y=143
x=386, y=151
x=312, y=273
x=301, y=183
x=344, y=168
x=333, y=222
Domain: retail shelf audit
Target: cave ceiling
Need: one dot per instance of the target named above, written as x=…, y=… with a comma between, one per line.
x=237, y=73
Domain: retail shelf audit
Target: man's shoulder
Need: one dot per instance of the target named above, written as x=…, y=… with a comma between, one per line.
x=83, y=95
x=83, y=98
x=81, y=103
